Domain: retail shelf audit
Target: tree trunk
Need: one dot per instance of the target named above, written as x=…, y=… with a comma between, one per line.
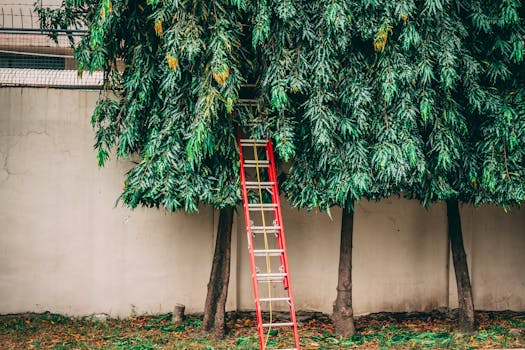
x=215, y=306
x=455, y=235
x=343, y=314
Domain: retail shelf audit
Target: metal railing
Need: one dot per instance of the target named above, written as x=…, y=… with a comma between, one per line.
x=34, y=56
x=21, y=15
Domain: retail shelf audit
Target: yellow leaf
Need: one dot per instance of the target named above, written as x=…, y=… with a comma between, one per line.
x=173, y=62
x=220, y=77
x=382, y=37
x=158, y=27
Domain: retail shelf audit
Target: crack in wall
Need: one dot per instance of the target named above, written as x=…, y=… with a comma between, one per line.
x=18, y=137
x=5, y=165
x=5, y=169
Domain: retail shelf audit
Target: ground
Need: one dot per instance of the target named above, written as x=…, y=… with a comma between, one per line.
x=379, y=331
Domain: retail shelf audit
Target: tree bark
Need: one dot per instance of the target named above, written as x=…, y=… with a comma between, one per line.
x=343, y=314
x=215, y=306
x=465, y=299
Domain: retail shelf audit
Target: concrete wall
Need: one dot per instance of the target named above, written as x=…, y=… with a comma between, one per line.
x=63, y=245
x=65, y=248
x=495, y=246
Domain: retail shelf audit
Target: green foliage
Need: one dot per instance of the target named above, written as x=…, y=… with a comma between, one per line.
x=421, y=98
x=367, y=98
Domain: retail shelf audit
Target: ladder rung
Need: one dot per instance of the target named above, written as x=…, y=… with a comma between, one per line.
x=274, y=299
x=256, y=164
x=260, y=165
x=269, y=252
x=262, y=206
x=262, y=184
x=277, y=280
x=253, y=161
x=270, y=277
x=251, y=142
x=267, y=229
x=282, y=324
x=246, y=102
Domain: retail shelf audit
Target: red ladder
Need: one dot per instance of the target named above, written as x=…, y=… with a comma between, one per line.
x=262, y=214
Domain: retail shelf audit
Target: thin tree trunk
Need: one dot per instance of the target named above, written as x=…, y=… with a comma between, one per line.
x=343, y=314
x=215, y=306
x=465, y=299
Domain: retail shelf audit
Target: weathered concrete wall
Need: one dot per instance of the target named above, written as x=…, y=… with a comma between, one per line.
x=63, y=245
x=495, y=247
x=399, y=260
x=65, y=248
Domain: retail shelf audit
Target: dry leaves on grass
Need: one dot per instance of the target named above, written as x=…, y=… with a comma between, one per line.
x=378, y=331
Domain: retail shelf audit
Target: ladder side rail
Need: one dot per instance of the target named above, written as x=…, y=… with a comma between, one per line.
x=249, y=235
x=282, y=242
x=275, y=195
x=277, y=200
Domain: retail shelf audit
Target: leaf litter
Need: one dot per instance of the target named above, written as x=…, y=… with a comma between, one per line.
x=436, y=330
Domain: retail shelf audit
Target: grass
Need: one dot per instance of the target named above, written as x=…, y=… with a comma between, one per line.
x=380, y=331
